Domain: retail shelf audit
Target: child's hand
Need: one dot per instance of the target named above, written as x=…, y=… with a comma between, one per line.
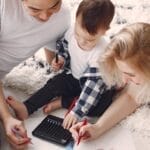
x=57, y=65
x=69, y=120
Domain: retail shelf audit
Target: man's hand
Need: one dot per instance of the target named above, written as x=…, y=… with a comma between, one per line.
x=69, y=120
x=56, y=66
x=16, y=133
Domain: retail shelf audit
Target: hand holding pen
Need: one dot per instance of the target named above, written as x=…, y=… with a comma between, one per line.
x=81, y=135
x=57, y=63
x=18, y=135
x=83, y=131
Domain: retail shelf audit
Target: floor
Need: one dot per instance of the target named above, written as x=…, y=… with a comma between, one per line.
x=129, y=140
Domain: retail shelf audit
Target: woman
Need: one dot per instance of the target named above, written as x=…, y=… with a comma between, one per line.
x=126, y=64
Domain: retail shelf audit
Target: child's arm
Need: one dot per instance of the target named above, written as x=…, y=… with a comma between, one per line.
x=91, y=93
x=93, y=88
x=62, y=47
x=89, y=97
x=57, y=63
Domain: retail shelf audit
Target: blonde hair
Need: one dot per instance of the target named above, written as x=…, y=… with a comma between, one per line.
x=132, y=45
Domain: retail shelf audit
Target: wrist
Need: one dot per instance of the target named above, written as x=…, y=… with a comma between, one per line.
x=5, y=117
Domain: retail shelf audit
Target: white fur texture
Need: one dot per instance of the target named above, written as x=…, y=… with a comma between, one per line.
x=34, y=73
x=139, y=122
x=30, y=75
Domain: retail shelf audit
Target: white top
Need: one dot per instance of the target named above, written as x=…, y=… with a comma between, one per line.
x=81, y=59
x=21, y=35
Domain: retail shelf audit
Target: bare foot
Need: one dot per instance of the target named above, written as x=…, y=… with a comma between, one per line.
x=18, y=107
x=52, y=106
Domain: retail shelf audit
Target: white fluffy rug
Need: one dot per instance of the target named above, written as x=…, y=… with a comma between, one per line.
x=32, y=74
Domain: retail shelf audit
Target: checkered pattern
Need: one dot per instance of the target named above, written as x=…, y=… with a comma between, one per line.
x=93, y=88
x=91, y=82
x=62, y=47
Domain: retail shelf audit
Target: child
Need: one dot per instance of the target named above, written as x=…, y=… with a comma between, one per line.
x=79, y=50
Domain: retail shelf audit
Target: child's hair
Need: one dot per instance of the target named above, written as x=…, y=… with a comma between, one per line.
x=131, y=45
x=95, y=14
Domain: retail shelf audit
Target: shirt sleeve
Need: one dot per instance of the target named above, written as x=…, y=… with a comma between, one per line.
x=62, y=50
x=64, y=25
x=91, y=93
x=51, y=46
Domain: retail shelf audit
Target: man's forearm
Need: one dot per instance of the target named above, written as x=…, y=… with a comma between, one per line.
x=120, y=109
x=4, y=112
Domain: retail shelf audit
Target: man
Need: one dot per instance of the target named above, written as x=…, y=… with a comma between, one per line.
x=26, y=26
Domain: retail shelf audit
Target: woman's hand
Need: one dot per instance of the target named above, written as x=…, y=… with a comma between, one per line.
x=69, y=120
x=87, y=132
x=16, y=133
x=56, y=66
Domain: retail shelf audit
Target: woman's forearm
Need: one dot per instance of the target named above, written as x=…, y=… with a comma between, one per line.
x=4, y=112
x=120, y=109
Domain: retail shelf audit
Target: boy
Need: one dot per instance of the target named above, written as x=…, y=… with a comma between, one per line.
x=79, y=50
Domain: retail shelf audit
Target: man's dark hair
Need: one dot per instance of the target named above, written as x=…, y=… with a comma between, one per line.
x=95, y=14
